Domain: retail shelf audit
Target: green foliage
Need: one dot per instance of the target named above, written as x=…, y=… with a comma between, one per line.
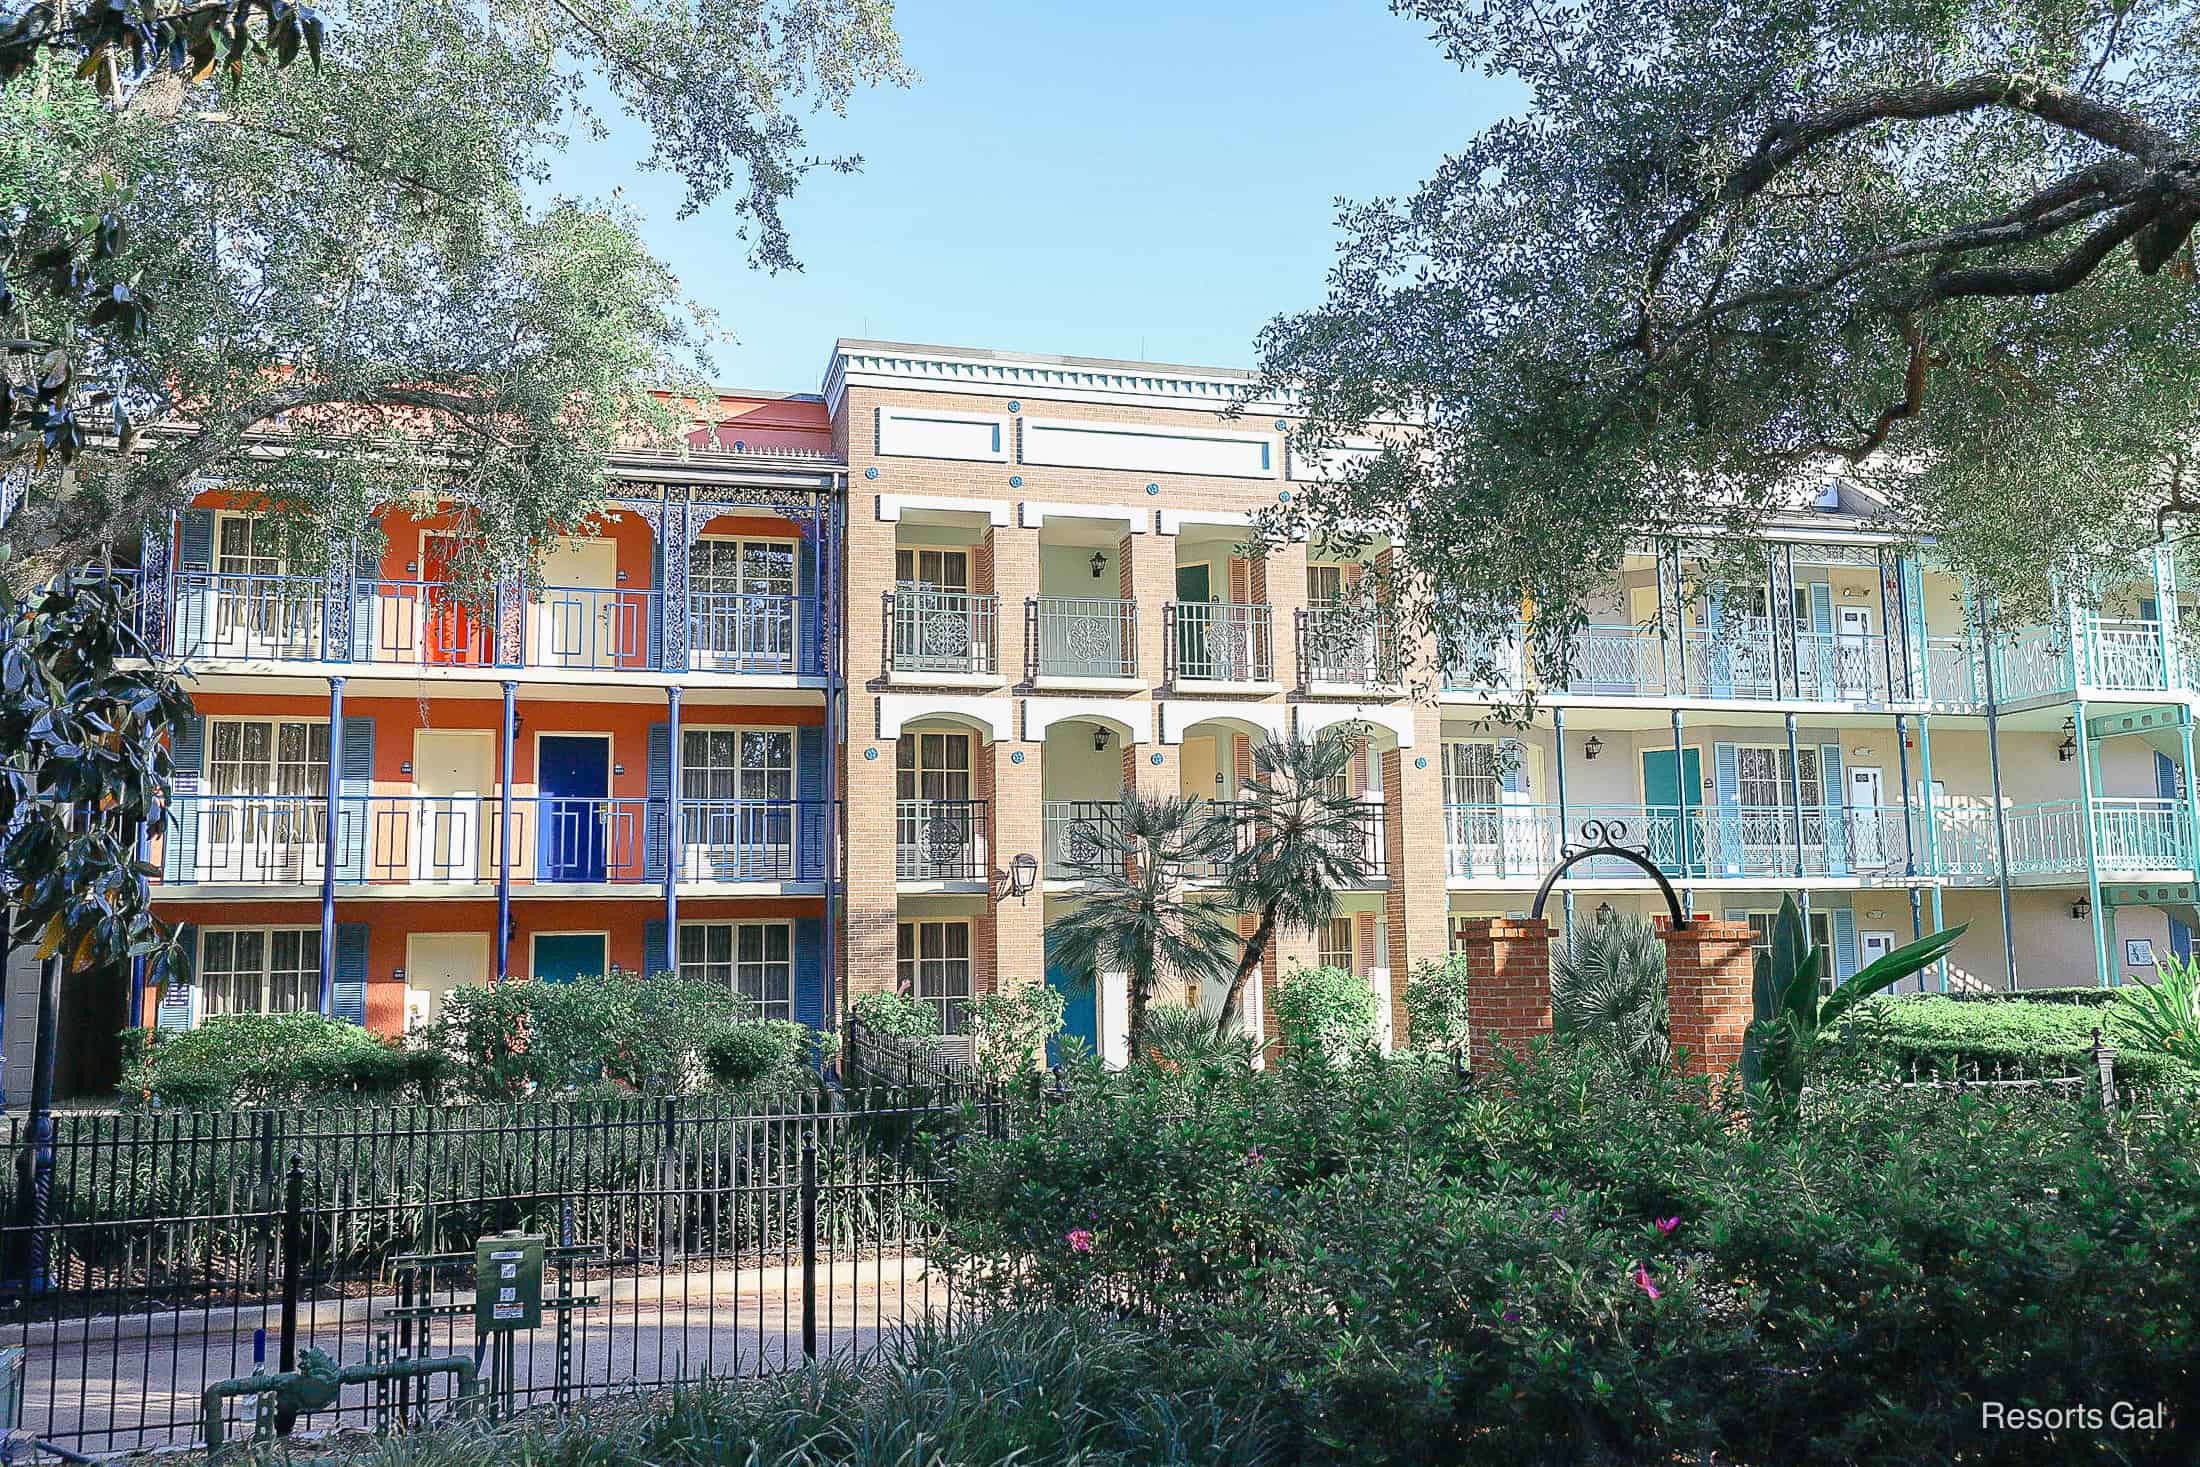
x=1716, y=250
x=1406, y=1273
x=1326, y=1013
x=511, y=1040
x=1185, y=1041
x=1788, y=1015
x=239, y=1061
x=1942, y=1035
x=742, y=1056
x=1012, y=1029
x=897, y=1014
x=1436, y=1004
x=1608, y=990
x=79, y=732
x=2090, y=996
x=2165, y=1015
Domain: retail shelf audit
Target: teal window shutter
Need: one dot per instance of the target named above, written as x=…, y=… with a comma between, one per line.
x=1844, y=943
x=353, y=811
x=175, y=999
x=180, y=836
x=1836, y=826
x=351, y=972
x=1727, y=819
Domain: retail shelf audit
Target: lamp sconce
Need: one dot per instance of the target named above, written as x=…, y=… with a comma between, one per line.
x=1023, y=875
x=1099, y=564
x=2067, y=750
x=1591, y=748
x=1099, y=738
x=1604, y=912
x=2082, y=908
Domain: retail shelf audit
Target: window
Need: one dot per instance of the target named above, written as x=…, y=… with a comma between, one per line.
x=250, y=830
x=933, y=766
x=1471, y=774
x=1340, y=944
x=248, y=546
x=742, y=567
x=250, y=970
x=942, y=570
x=753, y=959
x=1821, y=935
x=266, y=757
x=724, y=764
x=1762, y=771
x=934, y=965
x=1324, y=585
x=741, y=593
x=260, y=604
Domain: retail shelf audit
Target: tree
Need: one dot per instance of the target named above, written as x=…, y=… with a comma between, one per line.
x=1729, y=251
x=1135, y=916
x=366, y=266
x=1302, y=835
x=1608, y=990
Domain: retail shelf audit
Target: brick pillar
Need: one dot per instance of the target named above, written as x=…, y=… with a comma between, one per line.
x=1140, y=773
x=1147, y=575
x=1279, y=582
x=1014, y=561
x=1708, y=974
x=1019, y=924
x=1508, y=984
x=1413, y=840
x=869, y=810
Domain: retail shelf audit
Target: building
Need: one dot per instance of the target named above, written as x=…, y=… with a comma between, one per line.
x=791, y=715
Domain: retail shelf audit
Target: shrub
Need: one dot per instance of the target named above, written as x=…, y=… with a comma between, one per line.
x=1325, y=1012
x=2165, y=1016
x=898, y=1014
x=1608, y=990
x=1012, y=1029
x=742, y=1056
x=1183, y=1040
x=253, y=1060
x=1947, y=1036
x=1436, y=1004
x=2091, y=996
x=526, y=1037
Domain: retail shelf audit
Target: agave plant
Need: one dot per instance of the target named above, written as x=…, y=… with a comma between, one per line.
x=1608, y=990
x=2164, y=1016
x=1788, y=1013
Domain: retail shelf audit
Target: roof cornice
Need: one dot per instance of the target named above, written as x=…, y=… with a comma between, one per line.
x=908, y=366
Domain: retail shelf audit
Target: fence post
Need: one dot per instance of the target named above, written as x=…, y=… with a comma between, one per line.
x=2104, y=1065
x=809, y=1244
x=294, y=1247
x=671, y=1222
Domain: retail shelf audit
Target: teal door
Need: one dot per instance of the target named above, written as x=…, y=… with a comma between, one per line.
x=1080, y=1010
x=1663, y=825
x=560, y=957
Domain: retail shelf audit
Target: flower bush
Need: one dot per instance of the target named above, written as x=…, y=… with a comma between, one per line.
x=1325, y=1012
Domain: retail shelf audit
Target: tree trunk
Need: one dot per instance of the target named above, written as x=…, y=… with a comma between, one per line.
x=1256, y=947
x=1140, y=998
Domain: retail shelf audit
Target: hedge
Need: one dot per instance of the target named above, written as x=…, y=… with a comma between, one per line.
x=1946, y=1035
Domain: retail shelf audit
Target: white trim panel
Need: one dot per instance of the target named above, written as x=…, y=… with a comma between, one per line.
x=897, y=710
x=1034, y=513
x=942, y=433
x=1133, y=720
x=891, y=507
x=1314, y=717
x=1179, y=714
x=1148, y=448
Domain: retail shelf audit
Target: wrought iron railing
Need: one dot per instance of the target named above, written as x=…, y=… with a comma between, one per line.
x=1840, y=667
x=951, y=632
x=2123, y=653
x=1350, y=644
x=428, y=622
x=1621, y=661
x=1084, y=636
x=1074, y=832
x=748, y=631
x=1952, y=674
x=1219, y=642
x=940, y=840
x=1522, y=841
x=752, y=840
x=248, y=617
x=1735, y=660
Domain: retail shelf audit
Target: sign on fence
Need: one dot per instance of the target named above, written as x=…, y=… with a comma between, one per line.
x=508, y=1283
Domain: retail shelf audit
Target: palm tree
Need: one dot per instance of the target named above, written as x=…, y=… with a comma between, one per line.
x=1301, y=834
x=1135, y=918
x=1608, y=990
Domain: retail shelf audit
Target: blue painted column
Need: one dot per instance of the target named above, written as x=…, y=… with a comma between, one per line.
x=504, y=836
x=1558, y=742
x=1795, y=797
x=2088, y=779
x=1909, y=826
x=672, y=839
x=2192, y=794
x=1680, y=793
x=329, y=831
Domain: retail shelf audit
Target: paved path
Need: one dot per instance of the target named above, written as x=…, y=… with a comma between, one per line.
x=117, y=1383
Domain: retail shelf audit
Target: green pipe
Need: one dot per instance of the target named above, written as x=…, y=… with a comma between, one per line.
x=312, y=1385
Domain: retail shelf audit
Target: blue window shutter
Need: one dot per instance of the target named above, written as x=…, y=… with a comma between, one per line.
x=1727, y=786
x=196, y=550
x=1821, y=606
x=2165, y=776
x=1514, y=780
x=656, y=958
x=1844, y=943
x=180, y=847
x=658, y=608
x=363, y=574
x=351, y=972
x=809, y=608
x=657, y=814
x=1835, y=793
x=194, y=591
x=175, y=998
x=809, y=789
x=809, y=971
x=354, y=787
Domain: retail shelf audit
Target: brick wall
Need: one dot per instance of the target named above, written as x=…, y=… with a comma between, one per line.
x=1508, y=984
x=1708, y=973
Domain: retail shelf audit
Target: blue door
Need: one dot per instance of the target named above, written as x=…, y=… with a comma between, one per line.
x=575, y=776
x=1661, y=798
x=1080, y=1010
x=560, y=957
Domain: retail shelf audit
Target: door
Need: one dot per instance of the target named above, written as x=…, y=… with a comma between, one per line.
x=577, y=619
x=1853, y=653
x=741, y=604
x=450, y=633
x=1201, y=766
x=934, y=616
x=258, y=607
x=1662, y=817
x=737, y=804
x=1080, y=1011
x=574, y=771
x=560, y=957
x=436, y=963
x=1871, y=947
x=1868, y=834
x=263, y=818
x=454, y=771
x=1195, y=630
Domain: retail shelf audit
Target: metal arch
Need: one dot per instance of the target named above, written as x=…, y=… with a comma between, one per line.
x=1606, y=838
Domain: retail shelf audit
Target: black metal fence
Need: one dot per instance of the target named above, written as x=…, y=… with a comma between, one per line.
x=156, y=1264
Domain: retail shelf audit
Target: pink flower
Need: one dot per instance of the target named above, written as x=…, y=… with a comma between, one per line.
x=1558, y=1214
x=1642, y=1278
x=1079, y=1240
x=1666, y=1225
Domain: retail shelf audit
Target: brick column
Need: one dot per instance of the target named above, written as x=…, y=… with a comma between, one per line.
x=1708, y=973
x=1413, y=839
x=1279, y=582
x=1508, y=985
x=1019, y=925
x=1014, y=558
x=1146, y=573
x=1140, y=773
x=868, y=808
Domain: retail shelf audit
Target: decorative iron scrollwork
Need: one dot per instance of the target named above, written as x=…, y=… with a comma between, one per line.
x=1608, y=837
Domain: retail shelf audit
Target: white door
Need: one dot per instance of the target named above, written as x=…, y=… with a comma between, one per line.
x=577, y=619
x=1867, y=816
x=1872, y=946
x=1853, y=651
x=436, y=963
x=453, y=772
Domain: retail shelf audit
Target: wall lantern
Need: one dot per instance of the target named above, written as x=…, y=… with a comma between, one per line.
x=1592, y=748
x=1099, y=738
x=1605, y=912
x=1099, y=564
x=1023, y=875
x=2067, y=750
x=2082, y=908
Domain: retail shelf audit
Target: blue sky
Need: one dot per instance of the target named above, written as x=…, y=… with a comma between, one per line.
x=1123, y=180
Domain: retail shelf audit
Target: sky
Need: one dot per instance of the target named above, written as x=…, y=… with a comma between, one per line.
x=1133, y=180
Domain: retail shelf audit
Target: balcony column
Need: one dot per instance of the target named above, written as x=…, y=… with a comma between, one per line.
x=1887, y=622
x=1909, y=827
x=1681, y=793
x=1014, y=557
x=504, y=834
x=1787, y=620
x=1795, y=797
x=329, y=832
x=1019, y=923
x=674, y=847
x=1558, y=742
x=1932, y=831
x=2088, y=780
x=2001, y=815
x=2165, y=616
x=1774, y=619
x=1676, y=662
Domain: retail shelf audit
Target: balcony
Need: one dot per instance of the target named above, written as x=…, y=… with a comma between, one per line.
x=2101, y=653
x=1751, y=659
x=941, y=840
x=1071, y=829
x=1225, y=643
x=1366, y=840
x=932, y=632
x=1086, y=639
x=2048, y=839
x=1521, y=843
x=1349, y=646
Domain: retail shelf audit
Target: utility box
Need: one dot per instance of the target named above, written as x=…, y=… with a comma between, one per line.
x=508, y=1282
